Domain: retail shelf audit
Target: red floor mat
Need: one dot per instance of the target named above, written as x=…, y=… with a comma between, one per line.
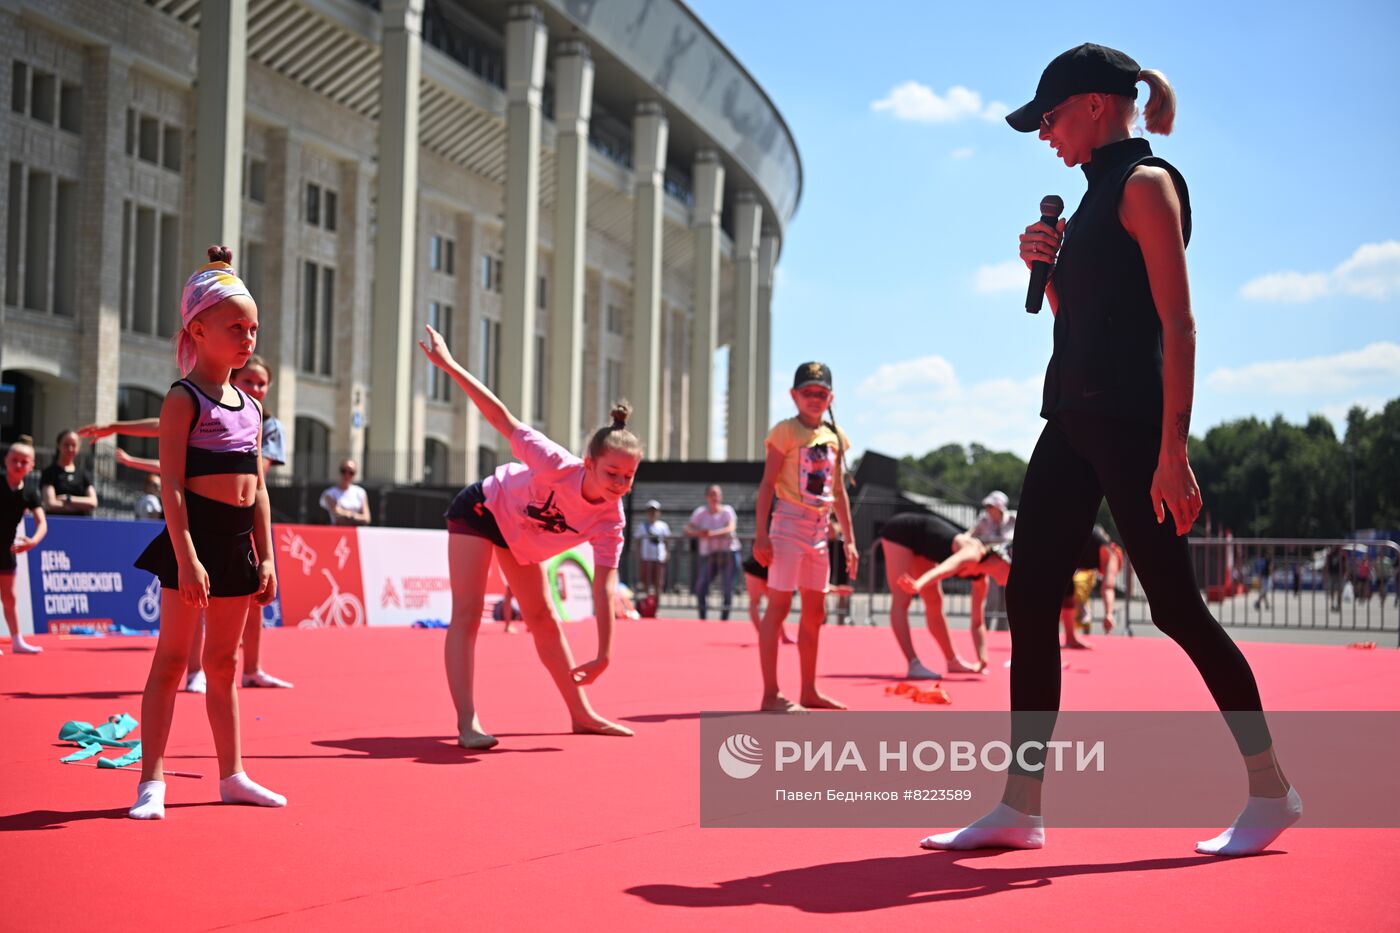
x=391, y=824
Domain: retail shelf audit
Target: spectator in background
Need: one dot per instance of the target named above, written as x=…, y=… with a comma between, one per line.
x=65, y=487
x=1335, y=569
x=346, y=502
x=715, y=523
x=17, y=496
x=149, y=505
x=651, y=535
x=997, y=523
x=1266, y=581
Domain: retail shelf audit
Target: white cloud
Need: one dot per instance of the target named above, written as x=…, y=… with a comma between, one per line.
x=964, y=153
x=1373, y=272
x=919, y=103
x=1318, y=375
x=1001, y=277
x=914, y=406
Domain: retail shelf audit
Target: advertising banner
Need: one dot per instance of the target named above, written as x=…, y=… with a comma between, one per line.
x=405, y=576
x=318, y=576
x=81, y=575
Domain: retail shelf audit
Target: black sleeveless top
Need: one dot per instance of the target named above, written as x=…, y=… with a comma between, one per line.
x=1108, y=338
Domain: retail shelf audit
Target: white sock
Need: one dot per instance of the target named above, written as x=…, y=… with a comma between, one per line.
x=917, y=671
x=1004, y=828
x=150, y=801
x=239, y=788
x=20, y=646
x=1262, y=820
x=195, y=683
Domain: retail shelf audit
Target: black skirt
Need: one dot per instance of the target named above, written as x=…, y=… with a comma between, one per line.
x=223, y=542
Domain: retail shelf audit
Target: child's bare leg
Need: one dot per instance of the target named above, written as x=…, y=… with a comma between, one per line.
x=253, y=674
x=469, y=563
x=978, y=623
x=11, y=612
x=900, y=560
x=223, y=623
x=527, y=582
x=808, y=639
x=776, y=614
x=177, y=620
x=938, y=627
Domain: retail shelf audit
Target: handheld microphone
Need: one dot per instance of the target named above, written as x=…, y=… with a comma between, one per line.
x=1051, y=207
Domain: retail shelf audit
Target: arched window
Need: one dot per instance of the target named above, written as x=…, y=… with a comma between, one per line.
x=311, y=452
x=436, y=463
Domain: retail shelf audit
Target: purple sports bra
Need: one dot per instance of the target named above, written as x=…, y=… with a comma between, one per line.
x=222, y=439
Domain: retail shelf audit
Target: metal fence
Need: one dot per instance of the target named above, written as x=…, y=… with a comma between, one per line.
x=1291, y=583
x=1266, y=583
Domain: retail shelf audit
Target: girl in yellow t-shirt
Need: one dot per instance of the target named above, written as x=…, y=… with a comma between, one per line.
x=805, y=469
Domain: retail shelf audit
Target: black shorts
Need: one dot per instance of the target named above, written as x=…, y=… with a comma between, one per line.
x=754, y=569
x=8, y=561
x=468, y=515
x=223, y=542
x=928, y=536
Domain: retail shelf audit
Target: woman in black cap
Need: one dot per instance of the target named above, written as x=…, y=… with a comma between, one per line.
x=1118, y=409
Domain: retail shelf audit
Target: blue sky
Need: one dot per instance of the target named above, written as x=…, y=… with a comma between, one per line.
x=900, y=267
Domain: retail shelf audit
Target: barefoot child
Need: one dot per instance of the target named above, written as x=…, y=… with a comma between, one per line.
x=215, y=554
x=805, y=469
x=520, y=516
x=18, y=497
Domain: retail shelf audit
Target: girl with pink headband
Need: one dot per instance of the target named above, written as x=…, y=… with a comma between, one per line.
x=215, y=553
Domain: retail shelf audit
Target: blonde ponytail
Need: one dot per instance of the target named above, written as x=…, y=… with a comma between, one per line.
x=1160, y=112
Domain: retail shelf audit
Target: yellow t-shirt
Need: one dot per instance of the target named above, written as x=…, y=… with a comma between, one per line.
x=809, y=462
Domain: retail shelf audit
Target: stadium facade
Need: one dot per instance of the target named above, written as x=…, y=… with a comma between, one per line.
x=587, y=197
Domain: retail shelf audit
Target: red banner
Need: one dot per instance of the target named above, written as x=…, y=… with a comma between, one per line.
x=318, y=576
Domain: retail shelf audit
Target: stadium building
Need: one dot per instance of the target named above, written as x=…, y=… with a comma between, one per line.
x=588, y=198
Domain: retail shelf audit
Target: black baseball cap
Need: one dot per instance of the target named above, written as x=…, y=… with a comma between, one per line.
x=809, y=374
x=1085, y=69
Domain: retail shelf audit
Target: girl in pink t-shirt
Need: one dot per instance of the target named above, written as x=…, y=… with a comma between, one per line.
x=522, y=515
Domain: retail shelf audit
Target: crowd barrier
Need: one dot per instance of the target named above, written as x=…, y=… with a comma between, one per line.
x=81, y=577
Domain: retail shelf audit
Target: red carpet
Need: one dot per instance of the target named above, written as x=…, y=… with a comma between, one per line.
x=390, y=824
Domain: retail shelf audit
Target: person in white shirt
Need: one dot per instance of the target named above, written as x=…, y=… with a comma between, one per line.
x=346, y=502
x=715, y=523
x=651, y=535
x=149, y=505
x=996, y=525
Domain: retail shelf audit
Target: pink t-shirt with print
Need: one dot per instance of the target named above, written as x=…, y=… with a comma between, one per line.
x=539, y=505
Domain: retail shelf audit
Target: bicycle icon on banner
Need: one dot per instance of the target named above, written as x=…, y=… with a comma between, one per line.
x=148, y=607
x=338, y=609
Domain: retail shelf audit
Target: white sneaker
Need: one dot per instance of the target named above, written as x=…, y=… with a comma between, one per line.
x=195, y=682
x=264, y=679
x=917, y=671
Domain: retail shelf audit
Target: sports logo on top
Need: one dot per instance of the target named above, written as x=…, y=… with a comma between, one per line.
x=741, y=756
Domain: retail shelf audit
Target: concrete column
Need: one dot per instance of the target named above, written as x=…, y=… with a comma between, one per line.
x=352, y=311
x=768, y=246
x=394, y=261
x=526, y=41
x=748, y=218
x=218, y=132
x=280, y=303
x=98, y=287
x=649, y=132
x=707, y=184
x=573, y=105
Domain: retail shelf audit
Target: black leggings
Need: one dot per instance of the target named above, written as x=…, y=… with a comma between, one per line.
x=1080, y=459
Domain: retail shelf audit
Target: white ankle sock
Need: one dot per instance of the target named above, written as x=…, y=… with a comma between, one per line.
x=1262, y=820
x=150, y=801
x=1003, y=828
x=21, y=646
x=239, y=788
x=195, y=683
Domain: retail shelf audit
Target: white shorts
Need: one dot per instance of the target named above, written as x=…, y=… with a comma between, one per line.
x=799, y=549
